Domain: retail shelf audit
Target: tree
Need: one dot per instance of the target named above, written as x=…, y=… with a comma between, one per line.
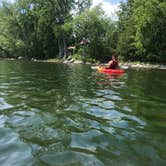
x=94, y=27
x=142, y=32
x=9, y=41
x=37, y=28
x=63, y=21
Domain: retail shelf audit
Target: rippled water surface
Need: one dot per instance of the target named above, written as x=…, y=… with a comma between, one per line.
x=71, y=115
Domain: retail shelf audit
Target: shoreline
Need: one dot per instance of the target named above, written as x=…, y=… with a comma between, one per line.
x=123, y=65
x=142, y=65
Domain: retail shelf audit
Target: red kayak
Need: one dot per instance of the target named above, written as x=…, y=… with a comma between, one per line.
x=111, y=71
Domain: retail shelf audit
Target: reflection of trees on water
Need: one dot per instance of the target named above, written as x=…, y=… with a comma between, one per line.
x=57, y=108
x=146, y=87
x=47, y=86
x=81, y=82
x=145, y=96
x=49, y=89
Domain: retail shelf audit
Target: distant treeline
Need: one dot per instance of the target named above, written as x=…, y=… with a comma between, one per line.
x=47, y=29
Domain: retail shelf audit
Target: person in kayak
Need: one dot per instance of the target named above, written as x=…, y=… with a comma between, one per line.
x=113, y=64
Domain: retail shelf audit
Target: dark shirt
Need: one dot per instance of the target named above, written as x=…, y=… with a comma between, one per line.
x=113, y=64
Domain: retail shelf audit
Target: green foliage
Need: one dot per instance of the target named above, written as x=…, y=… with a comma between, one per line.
x=77, y=57
x=81, y=58
x=37, y=28
x=93, y=27
x=142, y=30
x=44, y=29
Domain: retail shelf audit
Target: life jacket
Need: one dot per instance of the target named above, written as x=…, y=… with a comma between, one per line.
x=113, y=65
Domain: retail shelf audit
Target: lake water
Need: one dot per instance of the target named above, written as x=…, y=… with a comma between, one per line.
x=71, y=115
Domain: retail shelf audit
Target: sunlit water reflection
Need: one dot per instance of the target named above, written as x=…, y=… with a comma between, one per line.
x=68, y=115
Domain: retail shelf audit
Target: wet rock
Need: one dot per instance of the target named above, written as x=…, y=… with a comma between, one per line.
x=20, y=58
x=77, y=62
x=71, y=60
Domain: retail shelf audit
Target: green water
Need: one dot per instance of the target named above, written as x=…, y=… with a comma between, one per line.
x=71, y=115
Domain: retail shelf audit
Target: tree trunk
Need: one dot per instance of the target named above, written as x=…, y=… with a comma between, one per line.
x=60, y=47
x=64, y=48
